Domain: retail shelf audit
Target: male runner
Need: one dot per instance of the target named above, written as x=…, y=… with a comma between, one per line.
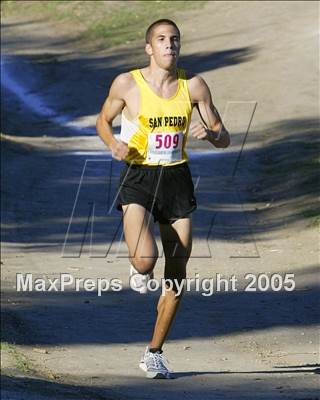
x=156, y=103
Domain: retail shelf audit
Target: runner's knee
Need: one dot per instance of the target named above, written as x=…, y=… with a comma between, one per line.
x=176, y=273
x=144, y=264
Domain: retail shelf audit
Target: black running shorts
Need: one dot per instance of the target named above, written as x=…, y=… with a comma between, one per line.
x=166, y=192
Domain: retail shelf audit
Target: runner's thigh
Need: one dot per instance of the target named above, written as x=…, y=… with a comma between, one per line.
x=177, y=240
x=138, y=228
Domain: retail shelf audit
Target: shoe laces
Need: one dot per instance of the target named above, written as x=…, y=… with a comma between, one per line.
x=157, y=360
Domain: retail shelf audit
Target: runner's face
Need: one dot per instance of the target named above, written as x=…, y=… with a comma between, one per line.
x=164, y=46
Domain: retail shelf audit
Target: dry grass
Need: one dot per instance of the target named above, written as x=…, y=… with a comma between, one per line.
x=113, y=22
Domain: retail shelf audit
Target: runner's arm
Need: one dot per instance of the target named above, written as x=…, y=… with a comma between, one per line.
x=113, y=106
x=212, y=128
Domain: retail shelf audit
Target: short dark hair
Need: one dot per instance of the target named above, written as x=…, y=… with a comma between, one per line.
x=163, y=21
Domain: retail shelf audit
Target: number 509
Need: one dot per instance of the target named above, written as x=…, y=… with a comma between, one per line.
x=167, y=141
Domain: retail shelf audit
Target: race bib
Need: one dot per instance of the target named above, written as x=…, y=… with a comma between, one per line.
x=165, y=147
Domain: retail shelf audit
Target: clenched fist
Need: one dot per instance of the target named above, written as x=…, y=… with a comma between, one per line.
x=199, y=131
x=119, y=150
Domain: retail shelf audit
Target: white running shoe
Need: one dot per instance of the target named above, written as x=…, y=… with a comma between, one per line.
x=138, y=282
x=155, y=365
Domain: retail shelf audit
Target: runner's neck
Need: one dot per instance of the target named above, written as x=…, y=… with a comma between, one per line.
x=159, y=77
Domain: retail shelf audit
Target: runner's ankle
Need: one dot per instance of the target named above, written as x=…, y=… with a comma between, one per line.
x=155, y=350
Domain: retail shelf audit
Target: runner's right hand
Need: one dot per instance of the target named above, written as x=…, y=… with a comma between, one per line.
x=119, y=150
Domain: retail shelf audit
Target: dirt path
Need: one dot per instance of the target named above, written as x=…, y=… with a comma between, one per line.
x=255, y=216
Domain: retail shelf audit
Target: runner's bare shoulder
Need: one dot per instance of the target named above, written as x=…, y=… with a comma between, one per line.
x=122, y=84
x=197, y=85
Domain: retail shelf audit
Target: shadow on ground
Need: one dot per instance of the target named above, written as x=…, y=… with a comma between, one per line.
x=226, y=387
x=39, y=88
x=70, y=317
x=56, y=197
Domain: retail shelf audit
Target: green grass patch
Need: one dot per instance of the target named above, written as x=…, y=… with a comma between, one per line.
x=108, y=22
x=285, y=164
x=21, y=361
x=5, y=346
x=313, y=213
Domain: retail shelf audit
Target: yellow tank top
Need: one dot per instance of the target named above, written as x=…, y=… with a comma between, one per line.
x=159, y=133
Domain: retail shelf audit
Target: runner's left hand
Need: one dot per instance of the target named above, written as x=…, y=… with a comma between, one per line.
x=199, y=131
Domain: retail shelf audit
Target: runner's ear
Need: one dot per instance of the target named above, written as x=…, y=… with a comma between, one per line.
x=148, y=49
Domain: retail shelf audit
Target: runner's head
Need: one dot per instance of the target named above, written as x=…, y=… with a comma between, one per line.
x=163, y=43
